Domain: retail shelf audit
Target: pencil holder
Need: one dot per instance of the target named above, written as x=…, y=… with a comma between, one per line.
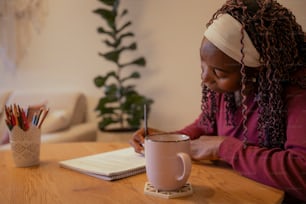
x=25, y=146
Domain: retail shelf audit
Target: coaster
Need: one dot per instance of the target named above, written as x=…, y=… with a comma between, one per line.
x=184, y=191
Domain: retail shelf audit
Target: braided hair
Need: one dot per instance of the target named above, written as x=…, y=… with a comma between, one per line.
x=279, y=39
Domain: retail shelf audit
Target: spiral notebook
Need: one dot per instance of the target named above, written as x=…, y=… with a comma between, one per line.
x=109, y=166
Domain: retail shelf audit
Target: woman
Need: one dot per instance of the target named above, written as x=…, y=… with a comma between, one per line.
x=254, y=95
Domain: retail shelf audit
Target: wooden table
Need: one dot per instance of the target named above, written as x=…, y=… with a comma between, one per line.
x=50, y=183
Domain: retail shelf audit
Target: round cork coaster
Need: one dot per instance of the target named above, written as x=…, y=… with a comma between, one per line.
x=184, y=191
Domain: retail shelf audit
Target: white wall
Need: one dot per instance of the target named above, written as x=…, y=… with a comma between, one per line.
x=168, y=32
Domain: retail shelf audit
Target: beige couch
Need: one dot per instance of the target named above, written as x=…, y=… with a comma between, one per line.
x=67, y=120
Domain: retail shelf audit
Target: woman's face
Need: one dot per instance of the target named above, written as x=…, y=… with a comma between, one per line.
x=220, y=73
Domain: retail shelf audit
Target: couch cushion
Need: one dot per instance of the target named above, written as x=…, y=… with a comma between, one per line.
x=80, y=110
x=4, y=95
x=55, y=121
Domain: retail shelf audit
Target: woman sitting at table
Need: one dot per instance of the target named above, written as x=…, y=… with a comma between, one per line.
x=254, y=95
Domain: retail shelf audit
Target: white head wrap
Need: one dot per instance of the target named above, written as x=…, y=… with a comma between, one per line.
x=225, y=34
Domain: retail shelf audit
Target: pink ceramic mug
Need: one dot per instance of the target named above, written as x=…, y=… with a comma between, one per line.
x=168, y=163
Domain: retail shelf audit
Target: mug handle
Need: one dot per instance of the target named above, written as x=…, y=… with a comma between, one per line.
x=186, y=165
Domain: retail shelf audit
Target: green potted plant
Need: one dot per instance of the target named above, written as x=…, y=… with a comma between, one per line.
x=121, y=108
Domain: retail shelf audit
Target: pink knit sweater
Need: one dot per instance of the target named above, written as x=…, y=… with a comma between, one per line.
x=283, y=169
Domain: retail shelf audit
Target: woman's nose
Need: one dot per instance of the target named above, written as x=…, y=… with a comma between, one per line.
x=207, y=76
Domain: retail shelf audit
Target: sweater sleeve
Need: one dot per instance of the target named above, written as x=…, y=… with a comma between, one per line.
x=196, y=129
x=282, y=168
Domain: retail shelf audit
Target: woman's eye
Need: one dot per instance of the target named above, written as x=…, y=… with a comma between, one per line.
x=219, y=73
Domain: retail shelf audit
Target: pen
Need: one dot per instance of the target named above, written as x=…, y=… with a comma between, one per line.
x=16, y=116
x=25, y=120
x=145, y=120
x=44, y=114
x=34, y=119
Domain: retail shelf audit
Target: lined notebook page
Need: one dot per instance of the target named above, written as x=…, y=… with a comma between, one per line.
x=108, y=165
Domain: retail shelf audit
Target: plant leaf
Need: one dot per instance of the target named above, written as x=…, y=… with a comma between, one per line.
x=99, y=81
x=132, y=46
x=124, y=12
x=127, y=24
x=112, y=55
x=130, y=34
x=105, y=122
x=103, y=101
x=139, y=61
x=111, y=74
x=111, y=91
x=108, y=15
x=134, y=75
x=101, y=30
x=115, y=44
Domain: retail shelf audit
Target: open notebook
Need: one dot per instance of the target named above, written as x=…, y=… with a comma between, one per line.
x=111, y=165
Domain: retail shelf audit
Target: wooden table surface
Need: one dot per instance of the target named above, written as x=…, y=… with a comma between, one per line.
x=50, y=183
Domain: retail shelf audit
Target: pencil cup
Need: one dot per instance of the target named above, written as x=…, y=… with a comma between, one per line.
x=25, y=146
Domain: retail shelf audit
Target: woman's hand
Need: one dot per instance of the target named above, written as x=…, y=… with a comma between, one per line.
x=206, y=147
x=137, y=140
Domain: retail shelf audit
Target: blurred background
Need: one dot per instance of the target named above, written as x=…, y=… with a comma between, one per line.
x=63, y=55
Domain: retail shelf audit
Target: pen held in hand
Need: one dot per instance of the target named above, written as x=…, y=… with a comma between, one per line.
x=145, y=120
